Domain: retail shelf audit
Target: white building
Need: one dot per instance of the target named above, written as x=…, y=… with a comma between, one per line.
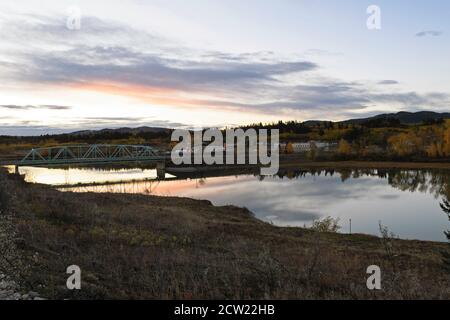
x=307, y=146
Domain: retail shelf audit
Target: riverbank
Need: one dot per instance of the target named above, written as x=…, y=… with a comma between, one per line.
x=147, y=247
x=289, y=161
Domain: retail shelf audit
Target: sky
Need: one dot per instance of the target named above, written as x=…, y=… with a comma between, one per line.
x=75, y=65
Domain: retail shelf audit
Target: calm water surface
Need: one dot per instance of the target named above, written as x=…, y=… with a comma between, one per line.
x=408, y=202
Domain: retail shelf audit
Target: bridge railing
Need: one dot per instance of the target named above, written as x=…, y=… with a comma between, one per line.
x=89, y=154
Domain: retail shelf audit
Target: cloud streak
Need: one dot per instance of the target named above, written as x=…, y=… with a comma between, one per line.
x=431, y=33
x=388, y=82
x=30, y=107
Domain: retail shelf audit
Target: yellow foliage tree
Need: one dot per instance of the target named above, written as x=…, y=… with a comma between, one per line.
x=435, y=150
x=344, y=147
x=289, y=148
x=446, y=143
x=405, y=144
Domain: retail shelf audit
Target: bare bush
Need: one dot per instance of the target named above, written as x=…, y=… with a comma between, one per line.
x=327, y=224
x=4, y=196
x=445, y=206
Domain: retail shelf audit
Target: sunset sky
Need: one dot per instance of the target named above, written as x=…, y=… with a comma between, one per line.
x=175, y=63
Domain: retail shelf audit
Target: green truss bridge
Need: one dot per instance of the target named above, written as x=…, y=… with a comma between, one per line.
x=89, y=154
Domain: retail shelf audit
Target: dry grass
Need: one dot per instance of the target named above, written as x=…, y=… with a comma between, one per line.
x=145, y=247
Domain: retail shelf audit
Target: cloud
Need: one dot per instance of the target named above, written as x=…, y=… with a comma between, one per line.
x=27, y=128
x=121, y=65
x=116, y=122
x=113, y=119
x=321, y=97
x=432, y=33
x=389, y=196
x=100, y=51
x=28, y=107
x=296, y=216
x=54, y=107
x=388, y=82
x=412, y=99
x=105, y=56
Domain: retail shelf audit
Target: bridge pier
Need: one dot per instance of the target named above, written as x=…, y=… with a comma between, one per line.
x=161, y=169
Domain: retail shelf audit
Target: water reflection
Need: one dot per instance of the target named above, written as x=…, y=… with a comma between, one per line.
x=408, y=201
x=74, y=176
x=445, y=206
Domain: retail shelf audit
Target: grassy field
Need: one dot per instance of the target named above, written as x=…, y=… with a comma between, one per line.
x=146, y=247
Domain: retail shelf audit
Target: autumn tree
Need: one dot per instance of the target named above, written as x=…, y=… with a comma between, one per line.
x=405, y=144
x=344, y=147
x=435, y=150
x=446, y=142
x=289, y=148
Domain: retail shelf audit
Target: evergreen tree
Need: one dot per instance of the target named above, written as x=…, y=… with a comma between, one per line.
x=445, y=205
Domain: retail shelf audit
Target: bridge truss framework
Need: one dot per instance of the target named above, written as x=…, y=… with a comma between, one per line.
x=81, y=154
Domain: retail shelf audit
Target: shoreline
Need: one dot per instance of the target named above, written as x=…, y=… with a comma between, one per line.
x=233, y=170
x=353, y=164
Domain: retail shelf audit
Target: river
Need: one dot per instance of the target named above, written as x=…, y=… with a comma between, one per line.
x=408, y=202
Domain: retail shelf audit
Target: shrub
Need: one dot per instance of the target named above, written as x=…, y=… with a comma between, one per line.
x=327, y=224
x=4, y=195
x=445, y=205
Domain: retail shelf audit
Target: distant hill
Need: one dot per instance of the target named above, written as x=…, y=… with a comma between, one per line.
x=400, y=118
x=381, y=120
x=124, y=130
x=404, y=117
